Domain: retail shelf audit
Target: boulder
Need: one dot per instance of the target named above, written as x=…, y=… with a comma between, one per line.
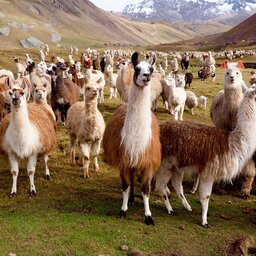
x=4, y=31
x=56, y=37
x=31, y=42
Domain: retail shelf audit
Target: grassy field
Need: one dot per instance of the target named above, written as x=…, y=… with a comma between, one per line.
x=76, y=216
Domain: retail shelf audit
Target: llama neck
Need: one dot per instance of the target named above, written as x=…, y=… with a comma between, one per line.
x=20, y=116
x=90, y=107
x=233, y=98
x=242, y=140
x=136, y=133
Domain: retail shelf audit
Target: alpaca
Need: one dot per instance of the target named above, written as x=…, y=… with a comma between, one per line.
x=188, y=79
x=86, y=124
x=219, y=155
x=191, y=101
x=180, y=80
x=185, y=62
x=112, y=77
x=27, y=132
x=131, y=139
x=224, y=110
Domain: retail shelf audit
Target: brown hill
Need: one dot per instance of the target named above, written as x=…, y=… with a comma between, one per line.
x=241, y=35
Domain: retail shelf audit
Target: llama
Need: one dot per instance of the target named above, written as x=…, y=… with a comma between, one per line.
x=95, y=75
x=185, y=62
x=176, y=101
x=89, y=127
x=27, y=132
x=28, y=60
x=219, y=155
x=188, y=79
x=20, y=67
x=224, y=110
x=166, y=83
x=180, y=80
x=112, y=77
x=41, y=55
x=64, y=92
x=131, y=138
x=174, y=65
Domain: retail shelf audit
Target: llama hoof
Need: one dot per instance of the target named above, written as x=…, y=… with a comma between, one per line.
x=33, y=193
x=48, y=177
x=86, y=176
x=12, y=194
x=192, y=192
x=206, y=225
x=173, y=213
x=149, y=220
x=121, y=215
x=244, y=196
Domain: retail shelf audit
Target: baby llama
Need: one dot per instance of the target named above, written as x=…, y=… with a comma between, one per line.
x=131, y=139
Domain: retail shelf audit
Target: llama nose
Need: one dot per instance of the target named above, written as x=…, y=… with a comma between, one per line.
x=15, y=101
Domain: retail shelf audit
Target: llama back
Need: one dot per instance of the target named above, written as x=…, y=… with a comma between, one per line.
x=172, y=134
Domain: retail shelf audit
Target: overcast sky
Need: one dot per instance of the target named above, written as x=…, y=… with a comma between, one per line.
x=113, y=5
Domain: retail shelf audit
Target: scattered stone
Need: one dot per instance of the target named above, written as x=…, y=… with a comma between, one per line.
x=56, y=37
x=11, y=254
x=4, y=31
x=229, y=202
x=34, y=9
x=242, y=246
x=18, y=25
x=125, y=248
x=31, y=42
x=225, y=217
x=137, y=253
x=181, y=227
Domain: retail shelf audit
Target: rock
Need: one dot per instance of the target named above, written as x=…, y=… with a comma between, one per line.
x=31, y=42
x=34, y=9
x=22, y=26
x=124, y=247
x=4, y=31
x=11, y=254
x=56, y=37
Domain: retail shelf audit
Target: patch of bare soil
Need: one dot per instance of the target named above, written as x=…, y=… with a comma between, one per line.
x=245, y=246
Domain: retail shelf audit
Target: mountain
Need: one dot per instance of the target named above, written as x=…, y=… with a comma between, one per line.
x=189, y=10
x=242, y=35
x=63, y=23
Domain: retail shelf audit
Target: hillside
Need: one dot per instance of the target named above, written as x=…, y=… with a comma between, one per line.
x=241, y=35
x=80, y=22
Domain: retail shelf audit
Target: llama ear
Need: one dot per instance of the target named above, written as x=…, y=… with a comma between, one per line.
x=135, y=60
x=240, y=64
x=153, y=60
x=224, y=64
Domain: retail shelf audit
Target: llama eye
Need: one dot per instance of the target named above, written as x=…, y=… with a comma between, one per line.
x=10, y=93
x=36, y=90
x=227, y=73
x=237, y=73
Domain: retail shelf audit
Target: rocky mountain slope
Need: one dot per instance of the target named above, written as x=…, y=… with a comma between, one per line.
x=79, y=22
x=190, y=10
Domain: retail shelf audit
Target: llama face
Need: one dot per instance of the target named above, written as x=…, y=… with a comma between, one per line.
x=143, y=73
x=91, y=90
x=17, y=96
x=40, y=93
x=232, y=76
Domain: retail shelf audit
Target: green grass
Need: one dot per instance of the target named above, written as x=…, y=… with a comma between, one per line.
x=76, y=216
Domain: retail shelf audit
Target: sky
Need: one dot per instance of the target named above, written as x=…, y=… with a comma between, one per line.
x=113, y=5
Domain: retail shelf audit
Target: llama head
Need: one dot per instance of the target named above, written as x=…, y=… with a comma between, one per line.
x=91, y=90
x=180, y=80
x=40, y=92
x=30, y=67
x=17, y=95
x=232, y=76
x=143, y=70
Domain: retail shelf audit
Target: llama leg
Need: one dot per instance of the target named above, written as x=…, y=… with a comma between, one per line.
x=146, y=186
x=248, y=173
x=166, y=193
x=205, y=190
x=124, y=174
x=115, y=93
x=95, y=152
x=15, y=171
x=111, y=90
x=72, y=149
x=192, y=111
x=132, y=195
x=176, y=180
x=47, y=171
x=85, y=150
x=31, y=167
x=195, y=185
x=181, y=113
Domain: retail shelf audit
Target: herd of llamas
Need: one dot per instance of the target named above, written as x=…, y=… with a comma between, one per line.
x=39, y=97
